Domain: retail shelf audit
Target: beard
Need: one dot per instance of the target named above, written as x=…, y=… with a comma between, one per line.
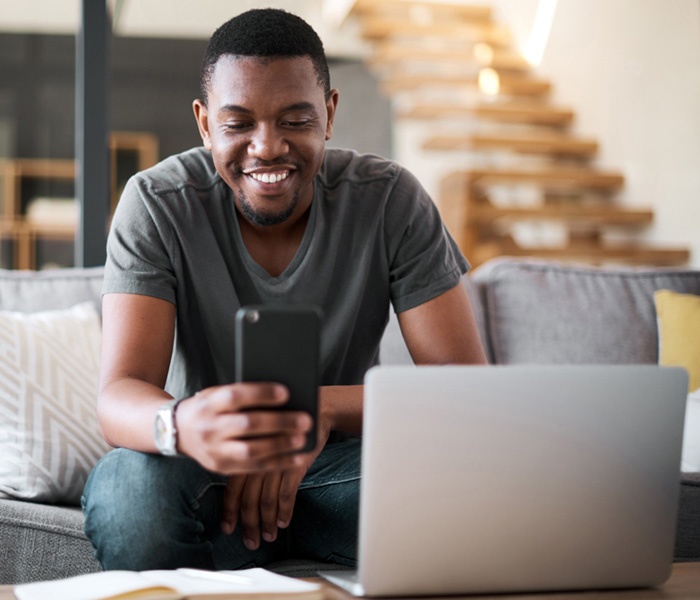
x=266, y=219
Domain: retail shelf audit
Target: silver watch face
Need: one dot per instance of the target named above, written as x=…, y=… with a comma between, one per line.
x=164, y=431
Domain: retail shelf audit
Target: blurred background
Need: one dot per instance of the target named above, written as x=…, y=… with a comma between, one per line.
x=566, y=129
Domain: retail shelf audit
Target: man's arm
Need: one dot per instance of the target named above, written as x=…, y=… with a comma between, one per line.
x=137, y=339
x=443, y=331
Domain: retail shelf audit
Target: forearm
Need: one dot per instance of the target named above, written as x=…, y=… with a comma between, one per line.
x=341, y=405
x=126, y=410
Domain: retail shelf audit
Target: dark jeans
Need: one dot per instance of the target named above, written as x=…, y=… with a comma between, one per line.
x=146, y=511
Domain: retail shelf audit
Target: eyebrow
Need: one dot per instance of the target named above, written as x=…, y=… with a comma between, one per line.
x=235, y=108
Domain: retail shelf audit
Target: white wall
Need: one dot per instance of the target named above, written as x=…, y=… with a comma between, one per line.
x=630, y=69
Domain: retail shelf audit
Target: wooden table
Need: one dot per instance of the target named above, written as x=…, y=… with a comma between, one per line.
x=684, y=583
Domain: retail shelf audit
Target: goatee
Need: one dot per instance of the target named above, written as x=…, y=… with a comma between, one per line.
x=266, y=219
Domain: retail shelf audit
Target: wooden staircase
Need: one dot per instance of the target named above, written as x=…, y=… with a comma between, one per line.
x=453, y=67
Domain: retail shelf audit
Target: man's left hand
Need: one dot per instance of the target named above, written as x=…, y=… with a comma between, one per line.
x=266, y=500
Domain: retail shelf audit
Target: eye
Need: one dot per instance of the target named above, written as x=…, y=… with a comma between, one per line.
x=236, y=126
x=296, y=123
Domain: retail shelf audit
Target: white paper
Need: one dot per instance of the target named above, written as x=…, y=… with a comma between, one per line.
x=109, y=584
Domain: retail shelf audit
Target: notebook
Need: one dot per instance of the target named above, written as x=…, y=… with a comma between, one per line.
x=517, y=479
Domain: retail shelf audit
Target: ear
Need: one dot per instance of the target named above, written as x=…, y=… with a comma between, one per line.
x=331, y=107
x=201, y=115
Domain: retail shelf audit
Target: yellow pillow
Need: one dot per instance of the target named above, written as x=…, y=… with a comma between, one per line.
x=679, y=332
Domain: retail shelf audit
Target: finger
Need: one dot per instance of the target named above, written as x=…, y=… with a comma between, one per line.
x=229, y=467
x=253, y=453
x=269, y=502
x=239, y=396
x=263, y=423
x=232, y=503
x=291, y=478
x=250, y=511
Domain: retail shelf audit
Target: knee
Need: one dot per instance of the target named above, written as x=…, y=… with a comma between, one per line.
x=325, y=522
x=139, y=508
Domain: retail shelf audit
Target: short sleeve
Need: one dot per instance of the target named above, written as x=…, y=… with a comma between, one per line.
x=138, y=261
x=424, y=259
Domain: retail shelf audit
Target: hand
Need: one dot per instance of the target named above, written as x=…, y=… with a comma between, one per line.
x=228, y=430
x=266, y=500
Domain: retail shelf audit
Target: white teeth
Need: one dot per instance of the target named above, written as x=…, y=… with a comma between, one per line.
x=270, y=177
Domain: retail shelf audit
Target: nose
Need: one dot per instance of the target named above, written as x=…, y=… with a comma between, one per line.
x=267, y=143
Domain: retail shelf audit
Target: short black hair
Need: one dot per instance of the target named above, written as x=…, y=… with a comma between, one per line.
x=265, y=32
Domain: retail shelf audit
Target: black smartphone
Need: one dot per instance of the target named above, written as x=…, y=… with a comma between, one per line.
x=281, y=344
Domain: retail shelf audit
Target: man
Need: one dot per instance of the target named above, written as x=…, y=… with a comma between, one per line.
x=261, y=213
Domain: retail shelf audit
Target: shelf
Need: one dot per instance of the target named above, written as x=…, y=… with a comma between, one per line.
x=24, y=180
x=12, y=171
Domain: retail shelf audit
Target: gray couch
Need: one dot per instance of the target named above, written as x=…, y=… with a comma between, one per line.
x=527, y=312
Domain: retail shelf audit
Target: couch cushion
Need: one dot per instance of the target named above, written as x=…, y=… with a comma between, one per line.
x=544, y=312
x=41, y=542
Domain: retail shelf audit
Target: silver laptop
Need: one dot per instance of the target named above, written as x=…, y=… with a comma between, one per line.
x=517, y=479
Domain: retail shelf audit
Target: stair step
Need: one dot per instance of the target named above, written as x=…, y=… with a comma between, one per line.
x=509, y=85
x=591, y=216
x=375, y=28
x=500, y=58
x=532, y=143
x=596, y=253
x=394, y=54
x=466, y=12
x=494, y=83
x=508, y=112
x=551, y=178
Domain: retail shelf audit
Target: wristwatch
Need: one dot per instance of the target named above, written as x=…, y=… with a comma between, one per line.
x=165, y=430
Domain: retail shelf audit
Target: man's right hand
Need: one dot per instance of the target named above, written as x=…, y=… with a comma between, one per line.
x=229, y=429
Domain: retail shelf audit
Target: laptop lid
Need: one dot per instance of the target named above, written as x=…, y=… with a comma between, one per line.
x=519, y=478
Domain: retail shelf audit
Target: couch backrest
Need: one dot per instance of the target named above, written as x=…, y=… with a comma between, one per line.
x=32, y=291
x=544, y=312
x=527, y=311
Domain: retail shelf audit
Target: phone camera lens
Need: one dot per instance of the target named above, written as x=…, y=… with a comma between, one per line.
x=253, y=316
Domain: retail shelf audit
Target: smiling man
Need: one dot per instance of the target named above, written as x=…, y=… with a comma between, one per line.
x=203, y=474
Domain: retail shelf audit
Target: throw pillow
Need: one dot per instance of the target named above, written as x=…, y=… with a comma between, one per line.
x=678, y=318
x=49, y=437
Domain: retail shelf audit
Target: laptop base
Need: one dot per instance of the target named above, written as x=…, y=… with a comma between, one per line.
x=345, y=579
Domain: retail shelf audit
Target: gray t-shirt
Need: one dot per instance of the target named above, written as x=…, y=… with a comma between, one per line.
x=373, y=237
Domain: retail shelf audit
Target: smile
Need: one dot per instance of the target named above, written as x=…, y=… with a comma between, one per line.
x=269, y=177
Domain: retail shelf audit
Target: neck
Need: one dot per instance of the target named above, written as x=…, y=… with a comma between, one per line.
x=274, y=247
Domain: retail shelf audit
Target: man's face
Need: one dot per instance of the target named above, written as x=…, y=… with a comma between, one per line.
x=266, y=123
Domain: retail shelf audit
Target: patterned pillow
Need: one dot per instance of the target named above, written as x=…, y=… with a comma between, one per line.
x=49, y=438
